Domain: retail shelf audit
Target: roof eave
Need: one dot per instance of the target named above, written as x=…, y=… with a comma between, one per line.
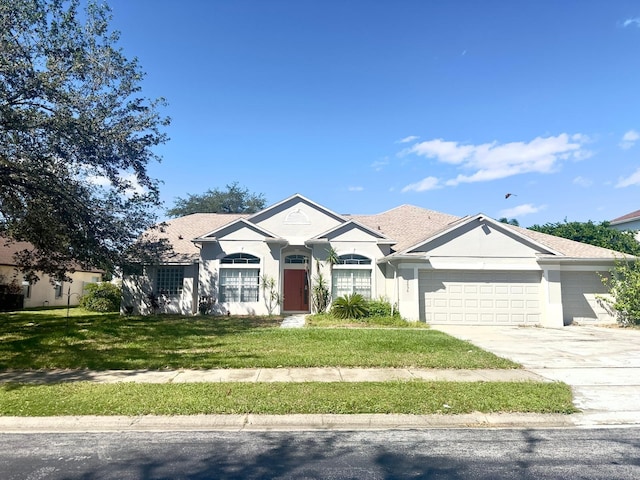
x=623, y=221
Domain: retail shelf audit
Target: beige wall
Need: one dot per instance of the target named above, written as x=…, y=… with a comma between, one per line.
x=43, y=292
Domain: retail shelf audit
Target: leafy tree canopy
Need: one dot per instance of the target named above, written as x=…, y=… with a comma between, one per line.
x=599, y=234
x=76, y=136
x=234, y=200
x=508, y=221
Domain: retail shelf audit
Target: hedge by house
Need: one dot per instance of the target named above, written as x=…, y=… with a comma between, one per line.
x=101, y=297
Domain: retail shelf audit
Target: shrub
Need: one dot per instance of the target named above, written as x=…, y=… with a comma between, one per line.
x=624, y=287
x=101, y=297
x=381, y=308
x=350, y=306
x=320, y=295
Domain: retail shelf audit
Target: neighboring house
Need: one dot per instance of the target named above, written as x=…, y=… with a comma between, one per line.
x=44, y=292
x=435, y=267
x=630, y=221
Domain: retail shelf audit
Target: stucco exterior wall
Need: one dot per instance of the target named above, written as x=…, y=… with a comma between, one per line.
x=209, y=273
x=297, y=222
x=43, y=292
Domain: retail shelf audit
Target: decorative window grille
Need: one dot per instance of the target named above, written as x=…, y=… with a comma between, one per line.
x=240, y=258
x=347, y=281
x=296, y=259
x=169, y=280
x=353, y=259
x=239, y=284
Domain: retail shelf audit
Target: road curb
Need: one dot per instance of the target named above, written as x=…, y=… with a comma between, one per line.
x=250, y=422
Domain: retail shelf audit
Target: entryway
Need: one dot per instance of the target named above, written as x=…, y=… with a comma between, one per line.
x=296, y=291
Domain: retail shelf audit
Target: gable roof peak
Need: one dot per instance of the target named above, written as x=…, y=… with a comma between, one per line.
x=292, y=198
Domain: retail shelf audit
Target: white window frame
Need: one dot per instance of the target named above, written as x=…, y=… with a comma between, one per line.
x=352, y=274
x=239, y=285
x=58, y=289
x=239, y=280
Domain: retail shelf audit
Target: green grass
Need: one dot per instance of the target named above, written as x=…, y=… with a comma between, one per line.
x=46, y=339
x=328, y=320
x=411, y=397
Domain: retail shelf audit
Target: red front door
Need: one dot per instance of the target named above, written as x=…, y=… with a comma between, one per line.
x=296, y=291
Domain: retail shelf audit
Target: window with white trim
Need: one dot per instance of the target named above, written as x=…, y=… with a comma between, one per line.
x=296, y=259
x=241, y=282
x=353, y=259
x=169, y=280
x=240, y=259
x=351, y=274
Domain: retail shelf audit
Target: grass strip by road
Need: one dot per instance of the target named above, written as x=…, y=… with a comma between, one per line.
x=48, y=340
x=402, y=397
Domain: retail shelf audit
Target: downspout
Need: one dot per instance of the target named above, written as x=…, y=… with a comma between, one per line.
x=195, y=297
x=395, y=287
x=281, y=279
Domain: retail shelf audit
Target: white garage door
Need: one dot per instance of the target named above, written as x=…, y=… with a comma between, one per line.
x=480, y=298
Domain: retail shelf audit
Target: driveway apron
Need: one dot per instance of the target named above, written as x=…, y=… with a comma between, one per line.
x=602, y=365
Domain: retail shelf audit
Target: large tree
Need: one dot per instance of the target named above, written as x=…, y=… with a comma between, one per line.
x=599, y=234
x=235, y=199
x=76, y=137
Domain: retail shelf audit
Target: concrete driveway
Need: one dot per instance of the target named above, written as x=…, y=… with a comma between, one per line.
x=602, y=365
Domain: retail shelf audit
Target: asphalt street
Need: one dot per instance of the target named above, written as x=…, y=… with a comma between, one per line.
x=426, y=454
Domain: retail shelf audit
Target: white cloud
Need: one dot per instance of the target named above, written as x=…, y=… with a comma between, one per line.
x=521, y=210
x=130, y=178
x=634, y=179
x=356, y=189
x=429, y=183
x=629, y=139
x=380, y=164
x=582, y=181
x=492, y=161
x=408, y=139
x=631, y=21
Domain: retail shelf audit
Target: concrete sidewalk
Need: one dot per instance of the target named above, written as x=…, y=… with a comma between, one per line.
x=329, y=374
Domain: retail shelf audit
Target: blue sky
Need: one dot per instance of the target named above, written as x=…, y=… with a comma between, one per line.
x=365, y=105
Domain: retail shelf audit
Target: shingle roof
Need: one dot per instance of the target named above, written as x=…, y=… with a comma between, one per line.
x=626, y=218
x=407, y=225
x=568, y=248
x=410, y=225
x=180, y=231
x=9, y=248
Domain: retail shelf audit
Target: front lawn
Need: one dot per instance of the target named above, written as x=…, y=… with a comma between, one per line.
x=46, y=339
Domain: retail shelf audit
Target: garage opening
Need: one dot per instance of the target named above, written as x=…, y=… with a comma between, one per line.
x=480, y=298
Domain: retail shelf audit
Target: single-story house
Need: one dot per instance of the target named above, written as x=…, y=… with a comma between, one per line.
x=433, y=267
x=45, y=292
x=630, y=221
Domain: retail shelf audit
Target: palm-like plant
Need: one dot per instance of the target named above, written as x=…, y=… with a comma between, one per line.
x=350, y=306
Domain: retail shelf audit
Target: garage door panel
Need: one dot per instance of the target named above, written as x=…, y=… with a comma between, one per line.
x=480, y=297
